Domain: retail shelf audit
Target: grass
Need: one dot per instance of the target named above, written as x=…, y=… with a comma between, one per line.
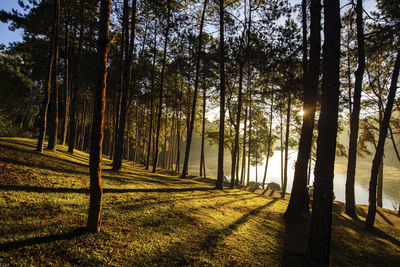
x=155, y=219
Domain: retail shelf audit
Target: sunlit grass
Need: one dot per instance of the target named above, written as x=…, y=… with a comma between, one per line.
x=149, y=219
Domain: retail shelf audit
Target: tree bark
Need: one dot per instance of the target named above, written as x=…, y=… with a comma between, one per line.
x=53, y=116
x=151, y=98
x=46, y=99
x=220, y=177
x=243, y=171
x=355, y=115
x=155, y=161
x=76, y=84
x=237, y=125
x=298, y=202
x=369, y=223
x=196, y=86
x=127, y=74
x=66, y=79
x=285, y=176
x=203, y=130
x=269, y=141
x=321, y=221
x=96, y=190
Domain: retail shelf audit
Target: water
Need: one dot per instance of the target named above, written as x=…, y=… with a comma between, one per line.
x=274, y=175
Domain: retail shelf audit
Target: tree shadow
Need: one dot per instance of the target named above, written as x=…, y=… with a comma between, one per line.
x=5, y=247
x=40, y=189
x=384, y=217
x=295, y=242
x=360, y=227
x=214, y=238
x=37, y=189
x=138, y=206
x=43, y=166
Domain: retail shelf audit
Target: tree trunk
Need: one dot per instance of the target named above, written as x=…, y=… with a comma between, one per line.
x=66, y=79
x=196, y=86
x=76, y=84
x=321, y=221
x=220, y=177
x=203, y=129
x=96, y=190
x=269, y=141
x=281, y=139
x=249, y=142
x=151, y=98
x=46, y=99
x=127, y=72
x=53, y=116
x=369, y=223
x=299, y=196
x=285, y=176
x=165, y=140
x=355, y=115
x=237, y=126
x=155, y=161
x=242, y=178
x=179, y=138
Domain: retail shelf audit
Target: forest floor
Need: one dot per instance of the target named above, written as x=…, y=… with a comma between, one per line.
x=157, y=219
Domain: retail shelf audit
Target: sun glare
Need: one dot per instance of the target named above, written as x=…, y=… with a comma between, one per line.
x=301, y=113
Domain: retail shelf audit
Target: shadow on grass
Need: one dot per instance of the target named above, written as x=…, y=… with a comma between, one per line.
x=42, y=240
x=371, y=253
x=214, y=238
x=359, y=226
x=295, y=242
x=38, y=189
x=39, y=161
x=384, y=217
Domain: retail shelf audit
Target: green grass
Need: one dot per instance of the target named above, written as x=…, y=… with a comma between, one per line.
x=154, y=219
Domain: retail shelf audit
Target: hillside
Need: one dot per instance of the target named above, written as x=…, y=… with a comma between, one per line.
x=156, y=219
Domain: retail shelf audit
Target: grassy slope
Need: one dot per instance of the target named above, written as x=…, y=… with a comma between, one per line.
x=151, y=219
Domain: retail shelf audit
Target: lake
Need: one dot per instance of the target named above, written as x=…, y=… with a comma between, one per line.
x=361, y=185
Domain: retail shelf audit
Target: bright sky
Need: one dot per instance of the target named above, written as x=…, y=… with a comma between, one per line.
x=7, y=36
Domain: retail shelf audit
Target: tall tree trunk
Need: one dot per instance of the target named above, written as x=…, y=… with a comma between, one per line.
x=249, y=142
x=285, y=175
x=66, y=79
x=203, y=130
x=165, y=139
x=155, y=161
x=196, y=86
x=151, y=98
x=355, y=115
x=220, y=173
x=243, y=174
x=179, y=138
x=369, y=223
x=96, y=190
x=299, y=196
x=127, y=72
x=269, y=141
x=76, y=84
x=237, y=125
x=46, y=99
x=281, y=139
x=321, y=221
x=53, y=116
x=249, y=88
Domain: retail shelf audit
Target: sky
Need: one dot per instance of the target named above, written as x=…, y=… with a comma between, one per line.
x=7, y=36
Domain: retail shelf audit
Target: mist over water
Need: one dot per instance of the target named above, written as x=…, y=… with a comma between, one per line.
x=339, y=182
x=391, y=178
